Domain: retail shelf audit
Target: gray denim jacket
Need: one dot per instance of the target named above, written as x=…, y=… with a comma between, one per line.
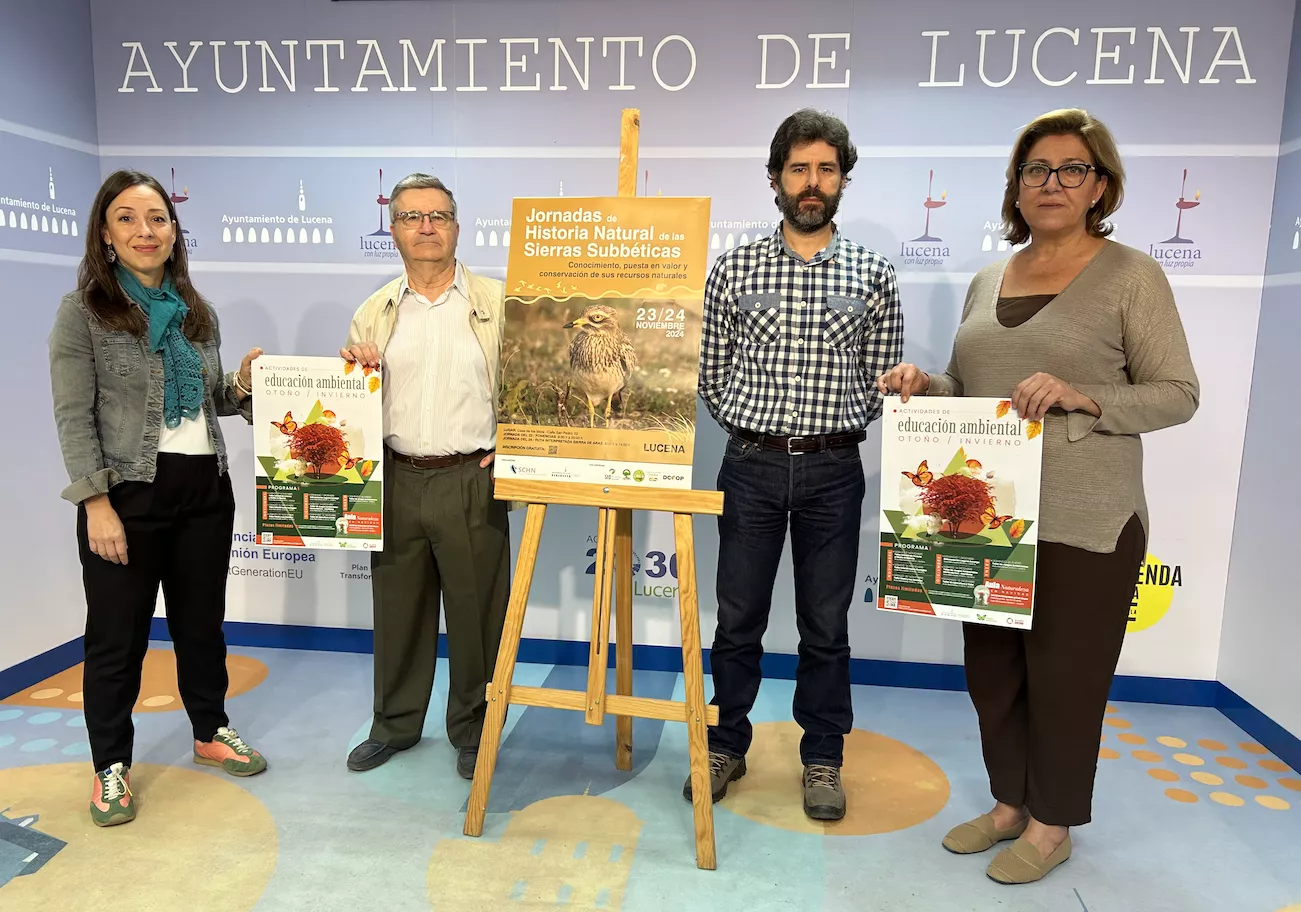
x=108, y=400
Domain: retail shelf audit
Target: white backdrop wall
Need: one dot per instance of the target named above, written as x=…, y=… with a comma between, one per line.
x=47, y=137
x=1262, y=625
x=241, y=106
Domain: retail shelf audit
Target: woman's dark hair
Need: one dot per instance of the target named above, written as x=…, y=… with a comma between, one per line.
x=805, y=126
x=104, y=297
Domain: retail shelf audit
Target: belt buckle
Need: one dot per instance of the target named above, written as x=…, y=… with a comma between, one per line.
x=789, y=451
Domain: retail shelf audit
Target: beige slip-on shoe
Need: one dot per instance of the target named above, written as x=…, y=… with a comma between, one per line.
x=1020, y=863
x=980, y=834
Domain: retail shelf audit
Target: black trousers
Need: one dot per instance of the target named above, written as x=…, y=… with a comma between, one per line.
x=819, y=497
x=178, y=534
x=1041, y=694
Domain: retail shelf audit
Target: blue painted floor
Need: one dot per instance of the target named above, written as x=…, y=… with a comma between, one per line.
x=1189, y=814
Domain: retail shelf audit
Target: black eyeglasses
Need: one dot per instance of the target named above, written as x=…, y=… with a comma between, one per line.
x=1070, y=176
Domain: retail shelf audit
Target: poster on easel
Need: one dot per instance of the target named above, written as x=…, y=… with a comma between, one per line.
x=959, y=518
x=318, y=453
x=601, y=347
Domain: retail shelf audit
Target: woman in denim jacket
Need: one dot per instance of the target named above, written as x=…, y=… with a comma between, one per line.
x=135, y=367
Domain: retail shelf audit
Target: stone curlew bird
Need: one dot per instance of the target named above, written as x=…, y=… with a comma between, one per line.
x=601, y=359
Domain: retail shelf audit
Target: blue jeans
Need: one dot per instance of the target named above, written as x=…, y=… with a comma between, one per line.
x=820, y=496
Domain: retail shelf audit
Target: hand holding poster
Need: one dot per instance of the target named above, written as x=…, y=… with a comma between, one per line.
x=601, y=347
x=959, y=509
x=318, y=448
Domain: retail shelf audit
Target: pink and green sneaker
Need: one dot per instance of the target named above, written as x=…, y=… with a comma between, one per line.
x=228, y=751
x=111, y=801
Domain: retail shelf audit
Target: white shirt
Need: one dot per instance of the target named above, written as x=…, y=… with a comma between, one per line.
x=437, y=400
x=189, y=438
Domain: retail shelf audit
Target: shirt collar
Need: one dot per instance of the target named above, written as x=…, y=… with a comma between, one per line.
x=458, y=283
x=777, y=246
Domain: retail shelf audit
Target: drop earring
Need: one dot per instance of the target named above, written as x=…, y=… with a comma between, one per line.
x=109, y=253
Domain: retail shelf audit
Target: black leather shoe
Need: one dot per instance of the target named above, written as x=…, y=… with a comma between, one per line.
x=369, y=754
x=466, y=758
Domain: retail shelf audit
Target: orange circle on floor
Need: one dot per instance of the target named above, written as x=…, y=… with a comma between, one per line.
x=1108, y=754
x=1227, y=800
x=1116, y=723
x=1148, y=756
x=1181, y=795
x=1207, y=778
x=158, y=688
x=1163, y=775
x=889, y=786
x=1274, y=766
x=1171, y=742
x=1274, y=804
x=1132, y=739
x=1292, y=784
x=1250, y=782
x=1189, y=759
x=1212, y=745
x=1232, y=763
x=184, y=815
x=1111, y=709
x=1252, y=748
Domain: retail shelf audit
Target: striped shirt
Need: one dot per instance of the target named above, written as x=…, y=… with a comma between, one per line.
x=437, y=397
x=793, y=348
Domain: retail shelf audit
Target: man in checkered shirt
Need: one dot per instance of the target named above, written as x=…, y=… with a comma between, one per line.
x=797, y=326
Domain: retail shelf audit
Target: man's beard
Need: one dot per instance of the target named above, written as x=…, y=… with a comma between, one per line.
x=808, y=219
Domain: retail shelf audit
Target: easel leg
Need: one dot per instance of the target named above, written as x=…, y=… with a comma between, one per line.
x=623, y=631
x=693, y=679
x=499, y=689
x=598, y=655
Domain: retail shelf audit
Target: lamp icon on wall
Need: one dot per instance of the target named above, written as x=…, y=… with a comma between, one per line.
x=383, y=202
x=178, y=198
x=930, y=204
x=1182, y=204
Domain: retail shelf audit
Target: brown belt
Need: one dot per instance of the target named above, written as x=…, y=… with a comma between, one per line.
x=436, y=462
x=810, y=444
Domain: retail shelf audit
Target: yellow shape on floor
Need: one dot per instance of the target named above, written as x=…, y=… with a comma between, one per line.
x=199, y=842
x=573, y=851
x=158, y=689
x=889, y=785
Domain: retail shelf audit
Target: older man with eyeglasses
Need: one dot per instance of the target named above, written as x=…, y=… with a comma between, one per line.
x=437, y=330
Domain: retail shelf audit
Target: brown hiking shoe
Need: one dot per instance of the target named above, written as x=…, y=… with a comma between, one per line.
x=722, y=770
x=824, y=797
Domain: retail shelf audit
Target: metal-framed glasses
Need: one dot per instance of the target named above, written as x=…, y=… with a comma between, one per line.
x=439, y=218
x=1070, y=176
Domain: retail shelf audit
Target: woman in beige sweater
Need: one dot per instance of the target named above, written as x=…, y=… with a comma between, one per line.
x=1082, y=333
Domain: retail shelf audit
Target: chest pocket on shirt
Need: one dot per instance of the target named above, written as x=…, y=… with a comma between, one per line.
x=844, y=320
x=121, y=352
x=760, y=317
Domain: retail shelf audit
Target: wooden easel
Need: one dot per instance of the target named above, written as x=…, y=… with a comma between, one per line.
x=614, y=504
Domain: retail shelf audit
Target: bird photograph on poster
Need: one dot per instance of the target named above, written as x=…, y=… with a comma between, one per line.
x=625, y=364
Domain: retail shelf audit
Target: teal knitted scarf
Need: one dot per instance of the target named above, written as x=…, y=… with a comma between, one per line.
x=182, y=370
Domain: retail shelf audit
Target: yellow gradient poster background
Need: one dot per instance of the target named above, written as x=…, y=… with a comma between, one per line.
x=601, y=348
